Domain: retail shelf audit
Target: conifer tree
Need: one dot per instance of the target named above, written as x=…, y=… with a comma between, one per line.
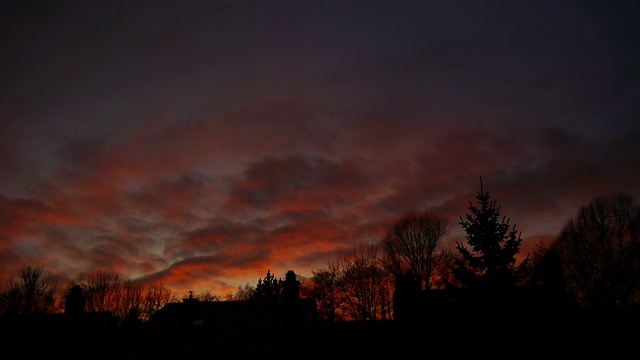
x=269, y=288
x=489, y=263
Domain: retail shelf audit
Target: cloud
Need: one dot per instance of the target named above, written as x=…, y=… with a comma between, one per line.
x=201, y=147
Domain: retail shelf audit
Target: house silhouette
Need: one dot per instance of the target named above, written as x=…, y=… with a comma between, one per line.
x=269, y=329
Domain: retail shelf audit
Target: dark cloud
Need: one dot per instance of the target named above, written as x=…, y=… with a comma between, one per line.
x=298, y=183
x=201, y=144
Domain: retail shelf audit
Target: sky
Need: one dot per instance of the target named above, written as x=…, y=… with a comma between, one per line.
x=201, y=143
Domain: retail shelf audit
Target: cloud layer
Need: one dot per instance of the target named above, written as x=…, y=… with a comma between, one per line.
x=201, y=144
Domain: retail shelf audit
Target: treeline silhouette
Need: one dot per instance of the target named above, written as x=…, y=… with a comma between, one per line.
x=588, y=275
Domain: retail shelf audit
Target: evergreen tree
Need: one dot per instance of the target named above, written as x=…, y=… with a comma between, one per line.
x=268, y=288
x=489, y=264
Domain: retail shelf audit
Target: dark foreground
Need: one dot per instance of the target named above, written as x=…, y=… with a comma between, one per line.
x=594, y=333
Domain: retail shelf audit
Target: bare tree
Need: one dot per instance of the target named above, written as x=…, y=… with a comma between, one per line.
x=600, y=251
x=322, y=287
x=155, y=298
x=130, y=303
x=243, y=293
x=364, y=285
x=101, y=289
x=442, y=276
x=31, y=291
x=413, y=243
x=208, y=296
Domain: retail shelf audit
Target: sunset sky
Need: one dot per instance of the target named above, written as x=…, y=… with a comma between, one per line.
x=201, y=143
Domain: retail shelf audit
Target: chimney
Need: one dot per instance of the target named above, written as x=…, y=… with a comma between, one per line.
x=74, y=302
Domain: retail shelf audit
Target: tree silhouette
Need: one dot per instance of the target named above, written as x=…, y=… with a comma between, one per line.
x=489, y=265
x=600, y=251
x=102, y=290
x=243, y=293
x=545, y=274
x=413, y=243
x=268, y=288
x=323, y=288
x=364, y=285
x=31, y=291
